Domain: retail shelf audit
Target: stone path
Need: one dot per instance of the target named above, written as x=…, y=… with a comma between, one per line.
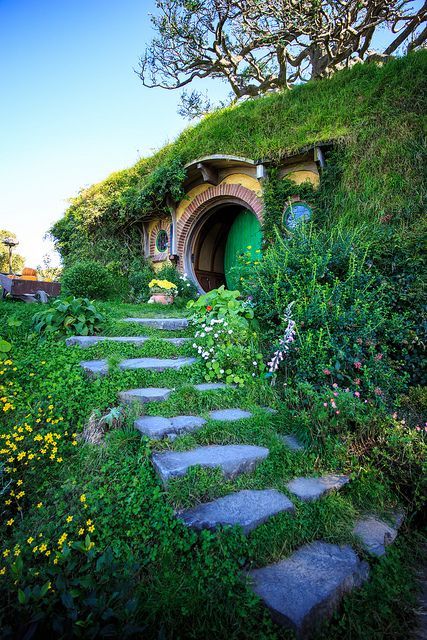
x=307, y=587
x=300, y=591
x=309, y=489
x=248, y=509
x=100, y=367
x=171, y=324
x=156, y=427
x=231, y=459
x=89, y=341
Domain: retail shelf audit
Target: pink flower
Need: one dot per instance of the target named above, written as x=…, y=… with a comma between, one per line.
x=335, y=386
x=357, y=394
x=357, y=381
x=337, y=412
x=394, y=416
x=378, y=391
x=326, y=372
x=378, y=356
x=333, y=405
x=325, y=404
x=335, y=394
x=357, y=365
x=417, y=428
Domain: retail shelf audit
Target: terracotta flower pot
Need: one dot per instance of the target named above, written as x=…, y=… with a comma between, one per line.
x=161, y=298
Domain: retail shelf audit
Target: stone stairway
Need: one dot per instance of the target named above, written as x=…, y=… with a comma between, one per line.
x=300, y=591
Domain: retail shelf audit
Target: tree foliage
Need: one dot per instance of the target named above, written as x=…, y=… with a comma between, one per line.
x=258, y=45
x=17, y=260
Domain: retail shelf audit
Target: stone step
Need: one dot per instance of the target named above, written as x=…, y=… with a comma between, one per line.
x=291, y=442
x=100, y=367
x=309, y=489
x=375, y=534
x=171, y=324
x=153, y=394
x=213, y=386
x=232, y=459
x=247, y=508
x=307, y=588
x=229, y=415
x=143, y=395
x=89, y=341
x=157, y=428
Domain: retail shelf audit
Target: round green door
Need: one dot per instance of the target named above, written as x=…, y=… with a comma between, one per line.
x=245, y=237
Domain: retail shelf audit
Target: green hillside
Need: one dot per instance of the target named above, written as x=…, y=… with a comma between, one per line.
x=375, y=115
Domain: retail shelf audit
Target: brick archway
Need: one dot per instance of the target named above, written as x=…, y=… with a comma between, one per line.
x=221, y=194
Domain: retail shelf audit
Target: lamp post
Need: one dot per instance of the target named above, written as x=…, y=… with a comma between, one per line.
x=10, y=243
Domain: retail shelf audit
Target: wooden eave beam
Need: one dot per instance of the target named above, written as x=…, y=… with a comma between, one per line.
x=209, y=174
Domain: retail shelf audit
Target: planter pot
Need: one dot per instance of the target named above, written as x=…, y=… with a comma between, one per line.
x=161, y=298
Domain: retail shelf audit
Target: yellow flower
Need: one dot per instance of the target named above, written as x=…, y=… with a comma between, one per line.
x=39, y=505
x=55, y=561
x=48, y=552
x=10, y=522
x=50, y=407
x=6, y=553
x=91, y=529
x=81, y=531
x=83, y=498
x=69, y=518
x=17, y=552
x=43, y=547
x=30, y=540
x=2, y=571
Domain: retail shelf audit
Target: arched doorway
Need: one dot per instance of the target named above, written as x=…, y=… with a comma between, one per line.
x=217, y=240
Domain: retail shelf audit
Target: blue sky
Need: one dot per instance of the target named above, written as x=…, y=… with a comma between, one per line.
x=72, y=110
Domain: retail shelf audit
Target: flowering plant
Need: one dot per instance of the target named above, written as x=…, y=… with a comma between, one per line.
x=284, y=344
x=225, y=337
x=163, y=286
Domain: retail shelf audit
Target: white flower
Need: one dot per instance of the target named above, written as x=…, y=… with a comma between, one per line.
x=202, y=335
x=254, y=363
x=215, y=335
x=230, y=331
x=221, y=370
x=194, y=345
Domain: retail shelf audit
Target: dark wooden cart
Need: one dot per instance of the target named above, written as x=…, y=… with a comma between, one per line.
x=28, y=290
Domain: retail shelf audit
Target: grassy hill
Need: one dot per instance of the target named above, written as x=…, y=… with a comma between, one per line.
x=376, y=116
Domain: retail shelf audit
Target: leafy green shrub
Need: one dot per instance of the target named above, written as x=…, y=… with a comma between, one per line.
x=88, y=279
x=346, y=328
x=69, y=316
x=225, y=337
x=138, y=281
x=186, y=288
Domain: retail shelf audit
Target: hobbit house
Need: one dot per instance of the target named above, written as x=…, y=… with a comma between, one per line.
x=221, y=215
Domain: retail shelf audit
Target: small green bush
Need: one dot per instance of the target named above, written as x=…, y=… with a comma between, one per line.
x=88, y=279
x=139, y=278
x=69, y=316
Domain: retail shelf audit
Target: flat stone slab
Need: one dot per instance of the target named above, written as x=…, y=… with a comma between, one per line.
x=376, y=534
x=229, y=415
x=100, y=367
x=172, y=324
x=307, y=588
x=143, y=395
x=232, y=459
x=211, y=386
x=89, y=341
x=156, y=427
x=308, y=489
x=248, y=509
x=292, y=442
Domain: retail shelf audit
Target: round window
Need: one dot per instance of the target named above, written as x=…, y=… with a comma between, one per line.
x=162, y=241
x=296, y=212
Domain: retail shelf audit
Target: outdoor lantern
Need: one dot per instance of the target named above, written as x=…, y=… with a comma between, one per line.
x=10, y=243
